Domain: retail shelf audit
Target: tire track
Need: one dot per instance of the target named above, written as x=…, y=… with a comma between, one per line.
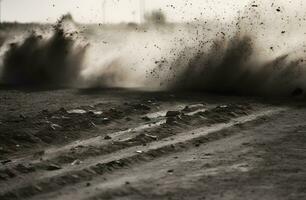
x=108, y=163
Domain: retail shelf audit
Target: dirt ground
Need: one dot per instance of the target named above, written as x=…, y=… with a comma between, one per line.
x=121, y=144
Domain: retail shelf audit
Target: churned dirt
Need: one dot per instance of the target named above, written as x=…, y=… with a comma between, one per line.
x=121, y=144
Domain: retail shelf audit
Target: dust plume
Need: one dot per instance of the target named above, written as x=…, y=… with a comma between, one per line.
x=260, y=51
x=45, y=61
x=263, y=55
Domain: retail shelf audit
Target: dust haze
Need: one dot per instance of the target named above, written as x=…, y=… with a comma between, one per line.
x=258, y=52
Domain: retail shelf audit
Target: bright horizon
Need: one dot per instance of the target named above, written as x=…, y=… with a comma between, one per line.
x=117, y=11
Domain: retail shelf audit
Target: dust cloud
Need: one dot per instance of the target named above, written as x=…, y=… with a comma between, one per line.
x=260, y=51
x=44, y=61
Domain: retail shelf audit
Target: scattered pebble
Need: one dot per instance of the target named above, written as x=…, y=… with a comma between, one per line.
x=55, y=127
x=107, y=137
x=76, y=162
x=173, y=113
x=77, y=111
x=53, y=167
x=3, y=162
x=170, y=171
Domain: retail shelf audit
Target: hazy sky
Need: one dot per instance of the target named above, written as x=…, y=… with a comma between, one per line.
x=90, y=11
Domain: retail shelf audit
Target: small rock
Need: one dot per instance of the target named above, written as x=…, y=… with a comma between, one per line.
x=107, y=137
x=3, y=162
x=151, y=136
x=128, y=119
x=53, y=167
x=75, y=176
x=171, y=120
x=97, y=112
x=22, y=116
x=105, y=119
x=55, y=127
x=45, y=112
x=146, y=118
x=76, y=162
x=25, y=168
x=170, y=171
x=63, y=110
x=173, y=113
x=77, y=111
x=139, y=151
x=38, y=154
x=141, y=107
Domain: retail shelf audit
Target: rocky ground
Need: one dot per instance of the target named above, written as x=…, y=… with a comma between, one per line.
x=120, y=144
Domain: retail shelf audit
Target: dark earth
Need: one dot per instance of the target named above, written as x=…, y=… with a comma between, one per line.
x=123, y=144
